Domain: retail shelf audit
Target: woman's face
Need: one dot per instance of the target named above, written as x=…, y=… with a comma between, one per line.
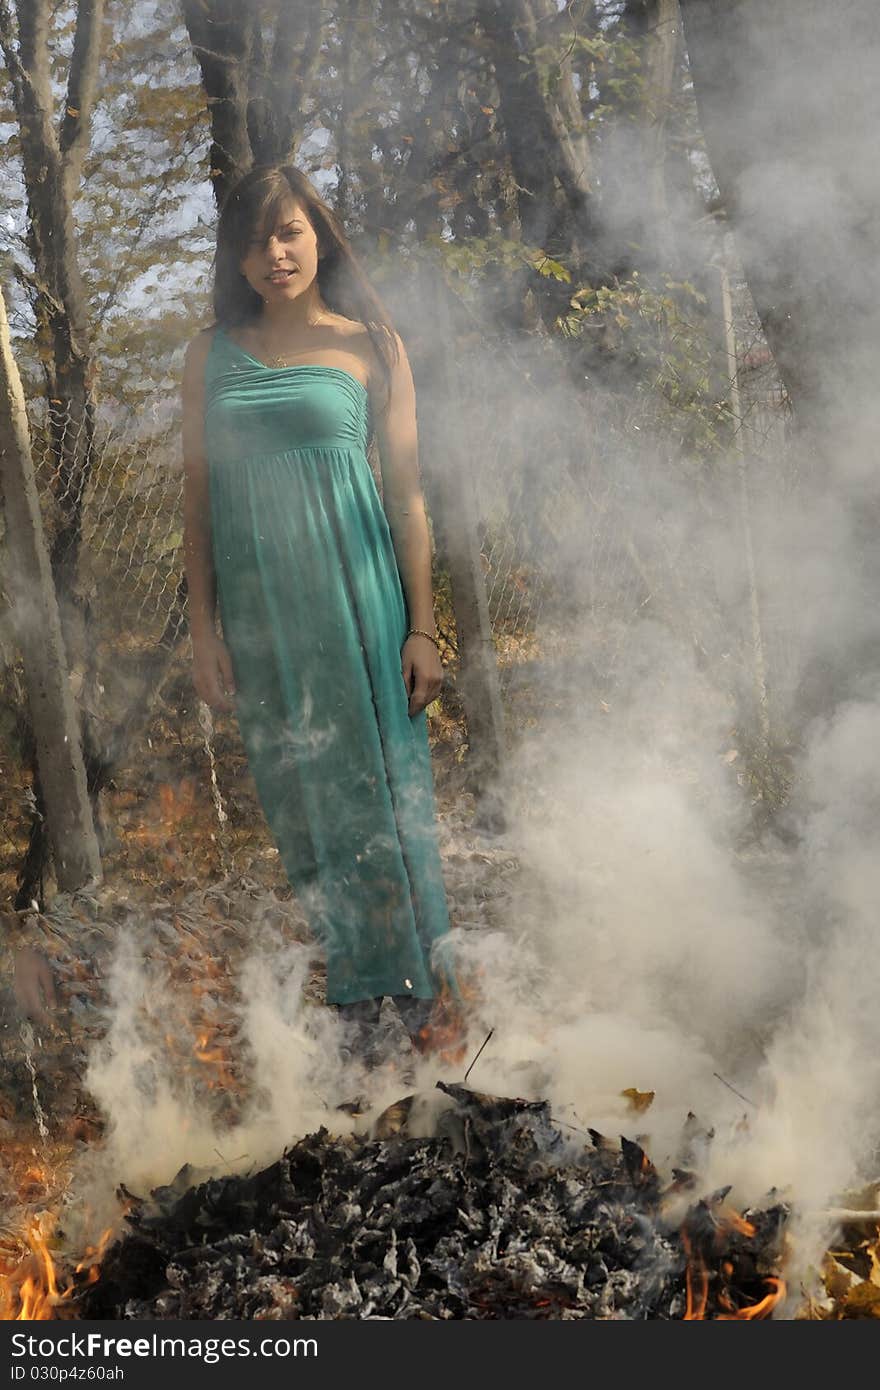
x=283, y=266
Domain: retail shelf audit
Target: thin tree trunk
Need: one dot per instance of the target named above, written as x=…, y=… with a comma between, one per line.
x=38, y=631
x=256, y=101
x=52, y=163
x=453, y=509
x=552, y=183
x=789, y=104
x=221, y=36
x=52, y=154
x=641, y=165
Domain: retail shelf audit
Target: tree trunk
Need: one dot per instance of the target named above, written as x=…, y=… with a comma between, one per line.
x=256, y=99
x=52, y=154
x=51, y=162
x=221, y=35
x=550, y=164
x=38, y=631
x=790, y=108
x=636, y=206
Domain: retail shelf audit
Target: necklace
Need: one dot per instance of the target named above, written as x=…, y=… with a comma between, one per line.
x=282, y=360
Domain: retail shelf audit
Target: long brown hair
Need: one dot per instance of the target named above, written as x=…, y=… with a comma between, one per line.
x=254, y=203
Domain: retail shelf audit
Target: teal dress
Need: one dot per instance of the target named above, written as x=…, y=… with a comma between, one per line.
x=314, y=616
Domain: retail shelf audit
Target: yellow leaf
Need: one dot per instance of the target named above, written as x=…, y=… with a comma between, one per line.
x=639, y=1101
x=72, y=111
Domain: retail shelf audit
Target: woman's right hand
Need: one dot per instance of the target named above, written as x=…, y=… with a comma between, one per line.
x=212, y=672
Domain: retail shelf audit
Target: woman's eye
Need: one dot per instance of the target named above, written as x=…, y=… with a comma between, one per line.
x=289, y=232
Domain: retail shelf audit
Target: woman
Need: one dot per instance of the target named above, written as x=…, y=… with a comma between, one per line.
x=329, y=652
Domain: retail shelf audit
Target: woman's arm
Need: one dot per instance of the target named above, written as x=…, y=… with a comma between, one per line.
x=404, y=502
x=212, y=666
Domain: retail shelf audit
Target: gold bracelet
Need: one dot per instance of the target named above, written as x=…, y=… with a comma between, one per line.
x=420, y=632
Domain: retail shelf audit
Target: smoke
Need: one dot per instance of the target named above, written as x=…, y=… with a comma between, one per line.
x=661, y=939
x=155, y=1093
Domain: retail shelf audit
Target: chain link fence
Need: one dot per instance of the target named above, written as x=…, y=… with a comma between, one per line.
x=132, y=519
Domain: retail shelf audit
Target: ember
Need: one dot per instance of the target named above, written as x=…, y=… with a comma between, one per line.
x=497, y=1215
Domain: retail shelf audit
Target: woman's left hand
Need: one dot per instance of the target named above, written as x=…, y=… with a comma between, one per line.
x=422, y=672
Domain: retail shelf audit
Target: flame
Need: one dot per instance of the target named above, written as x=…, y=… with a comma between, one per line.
x=727, y=1221
x=29, y=1291
x=698, y=1274
x=763, y=1309
x=92, y=1257
x=214, y=1056
x=444, y=1034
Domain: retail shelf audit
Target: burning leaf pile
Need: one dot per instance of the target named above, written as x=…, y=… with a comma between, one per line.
x=455, y=1205
x=498, y=1214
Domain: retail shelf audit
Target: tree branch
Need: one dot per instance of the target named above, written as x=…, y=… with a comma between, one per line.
x=33, y=47
x=17, y=75
x=81, y=85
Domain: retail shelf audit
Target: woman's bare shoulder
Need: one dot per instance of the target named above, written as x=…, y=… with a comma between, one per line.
x=197, y=348
x=361, y=342
x=355, y=329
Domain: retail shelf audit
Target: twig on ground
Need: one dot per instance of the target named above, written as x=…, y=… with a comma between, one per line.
x=471, y=1067
x=849, y=1217
x=735, y=1091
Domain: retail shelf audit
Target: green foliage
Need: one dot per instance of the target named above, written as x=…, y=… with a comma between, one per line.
x=656, y=327
x=474, y=259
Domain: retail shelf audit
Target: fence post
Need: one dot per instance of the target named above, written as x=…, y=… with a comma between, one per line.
x=453, y=506
x=37, y=627
x=759, y=664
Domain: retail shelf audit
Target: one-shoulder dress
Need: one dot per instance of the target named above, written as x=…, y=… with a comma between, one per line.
x=314, y=616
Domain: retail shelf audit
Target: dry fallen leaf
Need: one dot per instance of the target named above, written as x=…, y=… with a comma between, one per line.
x=862, y=1301
x=639, y=1101
x=874, y=1252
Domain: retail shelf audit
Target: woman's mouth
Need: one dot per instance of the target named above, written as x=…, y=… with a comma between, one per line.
x=278, y=277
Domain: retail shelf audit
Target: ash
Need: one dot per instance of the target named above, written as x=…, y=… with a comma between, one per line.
x=498, y=1214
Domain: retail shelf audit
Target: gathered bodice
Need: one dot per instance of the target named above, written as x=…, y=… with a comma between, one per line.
x=253, y=410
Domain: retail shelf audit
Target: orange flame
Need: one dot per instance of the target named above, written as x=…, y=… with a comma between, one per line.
x=695, y=1274
x=730, y=1220
x=763, y=1309
x=92, y=1257
x=29, y=1291
x=216, y=1057
x=727, y=1220
x=444, y=1034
